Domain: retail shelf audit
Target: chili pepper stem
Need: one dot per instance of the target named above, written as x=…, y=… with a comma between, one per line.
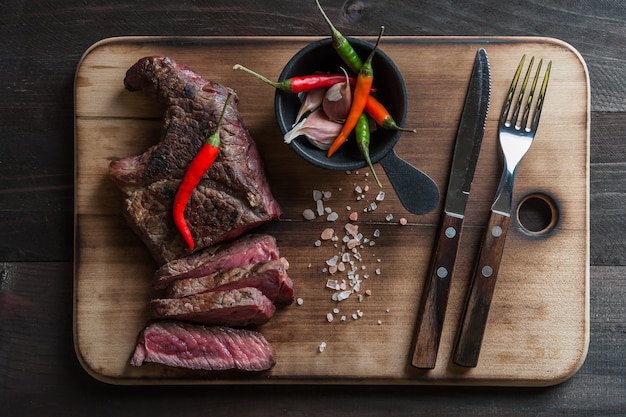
x=283, y=86
x=214, y=139
x=391, y=125
x=368, y=61
x=366, y=155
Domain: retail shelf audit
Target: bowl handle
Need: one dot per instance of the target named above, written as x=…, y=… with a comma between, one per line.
x=417, y=192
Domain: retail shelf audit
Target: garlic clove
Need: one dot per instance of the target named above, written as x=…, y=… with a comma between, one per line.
x=317, y=128
x=311, y=100
x=338, y=100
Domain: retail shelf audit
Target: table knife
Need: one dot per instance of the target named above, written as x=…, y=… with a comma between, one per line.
x=434, y=300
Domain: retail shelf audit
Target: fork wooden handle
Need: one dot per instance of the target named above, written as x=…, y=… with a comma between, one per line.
x=476, y=311
x=435, y=297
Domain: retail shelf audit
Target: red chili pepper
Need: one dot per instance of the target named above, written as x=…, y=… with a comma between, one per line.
x=379, y=113
x=362, y=89
x=194, y=173
x=302, y=83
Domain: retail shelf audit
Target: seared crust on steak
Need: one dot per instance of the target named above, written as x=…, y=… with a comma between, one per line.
x=233, y=196
x=269, y=277
x=212, y=348
x=245, y=250
x=239, y=307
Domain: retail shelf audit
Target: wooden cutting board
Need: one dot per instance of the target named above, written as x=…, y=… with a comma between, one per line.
x=538, y=329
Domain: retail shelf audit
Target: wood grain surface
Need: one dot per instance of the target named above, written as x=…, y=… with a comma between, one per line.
x=42, y=44
x=539, y=328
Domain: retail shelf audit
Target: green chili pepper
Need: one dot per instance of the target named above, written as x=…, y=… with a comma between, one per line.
x=342, y=46
x=362, y=132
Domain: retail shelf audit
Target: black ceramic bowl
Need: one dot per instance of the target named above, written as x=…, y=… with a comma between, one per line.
x=390, y=91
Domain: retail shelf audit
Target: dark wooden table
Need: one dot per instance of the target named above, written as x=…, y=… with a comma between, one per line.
x=40, y=46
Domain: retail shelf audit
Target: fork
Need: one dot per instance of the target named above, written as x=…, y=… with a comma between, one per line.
x=515, y=134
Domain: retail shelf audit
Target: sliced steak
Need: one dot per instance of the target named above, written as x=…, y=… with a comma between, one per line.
x=211, y=348
x=234, y=195
x=270, y=277
x=240, y=307
x=246, y=250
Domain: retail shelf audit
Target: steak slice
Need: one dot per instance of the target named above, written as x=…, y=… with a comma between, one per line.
x=240, y=307
x=234, y=195
x=269, y=277
x=245, y=250
x=213, y=348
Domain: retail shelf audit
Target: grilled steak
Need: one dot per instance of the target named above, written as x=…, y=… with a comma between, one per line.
x=203, y=347
x=240, y=307
x=233, y=196
x=269, y=277
x=246, y=250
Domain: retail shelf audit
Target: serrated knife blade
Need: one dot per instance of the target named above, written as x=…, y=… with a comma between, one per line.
x=470, y=132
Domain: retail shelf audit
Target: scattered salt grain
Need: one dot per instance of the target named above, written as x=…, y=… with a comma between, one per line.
x=318, y=243
x=327, y=233
x=379, y=322
x=352, y=229
x=380, y=196
x=308, y=214
x=332, y=284
x=332, y=261
x=389, y=217
x=352, y=243
x=354, y=216
x=336, y=310
x=332, y=217
x=322, y=346
x=376, y=233
x=317, y=195
x=299, y=301
x=329, y=317
x=320, y=207
x=403, y=221
x=340, y=296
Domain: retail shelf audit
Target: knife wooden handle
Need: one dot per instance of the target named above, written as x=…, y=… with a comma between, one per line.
x=474, y=319
x=435, y=297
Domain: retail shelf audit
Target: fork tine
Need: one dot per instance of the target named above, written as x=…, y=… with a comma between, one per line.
x=542, y=96
x=529, y=102
x=522, y=91
x=509, y=98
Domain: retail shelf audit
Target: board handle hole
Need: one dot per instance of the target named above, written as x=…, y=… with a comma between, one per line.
x=537, y=214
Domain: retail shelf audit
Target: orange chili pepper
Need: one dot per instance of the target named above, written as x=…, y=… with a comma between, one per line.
x=379, y=113
x=364, y=82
